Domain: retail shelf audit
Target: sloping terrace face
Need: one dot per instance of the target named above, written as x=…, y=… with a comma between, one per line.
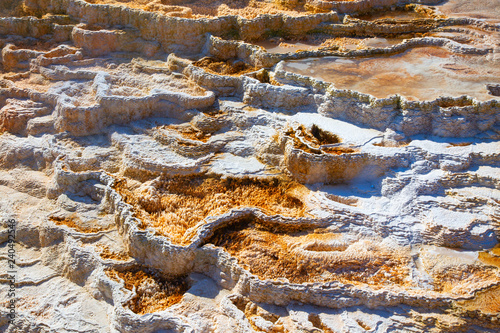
x=176, y=207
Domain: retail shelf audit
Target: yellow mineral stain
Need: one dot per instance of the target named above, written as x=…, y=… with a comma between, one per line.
x=183, y=202
x=153, y=292
x=487, y=301
x=273, y=254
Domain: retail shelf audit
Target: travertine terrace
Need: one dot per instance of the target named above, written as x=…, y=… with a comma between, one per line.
x=250, y=166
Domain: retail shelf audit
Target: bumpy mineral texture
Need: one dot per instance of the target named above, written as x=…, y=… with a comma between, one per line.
x=249, y=166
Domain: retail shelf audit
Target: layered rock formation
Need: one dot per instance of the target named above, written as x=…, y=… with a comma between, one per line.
x=204, y=167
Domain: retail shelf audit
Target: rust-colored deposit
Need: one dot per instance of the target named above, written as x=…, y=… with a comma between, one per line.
x=228, y=67
x=312, y=139
x=491, y=257
x=209, y=8
x=153, y=292
x=317, y=136
x=338, y=150
x=310, y=257
x=107, y=253
x=486, y=301
x=458, y=279
x=190, y=132
x=458, y=144
x=182, y=202
x=75, y=222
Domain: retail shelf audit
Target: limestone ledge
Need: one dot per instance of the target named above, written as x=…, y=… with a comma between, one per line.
x=102, y=41
x=446, y=116
x=84, y=266
x=192, y=148
x=106, y=109
x=59, y=26
x=176, y=34
x=357, y=27
x=256, y=56
x=443, y=122
x=69, y=258
x=312, y=168
x=14, y=58
x=157, y=251
x=140, y=165
x=358, y=5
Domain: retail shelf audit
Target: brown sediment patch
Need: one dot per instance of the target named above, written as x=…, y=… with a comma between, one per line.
x=318, y=323
x=486, y=301
x=190, y=132
x=338, y=150
x=402, y=13
x=491, y=257
x=228, y=67
x=363, y=325
x=154, y=292
x=14, y=8
x=211, y=8
x=453, y=102
x=182, y=202
x=213, y=111
x=458, y=144
x=107, y=253
x=30, y=81
x=458, y=280
x=314, y=138
x=75, y=222
x=272, y=254
x=402, y=143
x=321, y=136
x=35, y=44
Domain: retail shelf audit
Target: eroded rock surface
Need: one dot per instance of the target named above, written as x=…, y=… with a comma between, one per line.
x=253, y=166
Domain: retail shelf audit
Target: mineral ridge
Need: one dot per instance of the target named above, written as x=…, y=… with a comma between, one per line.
x=249, y=166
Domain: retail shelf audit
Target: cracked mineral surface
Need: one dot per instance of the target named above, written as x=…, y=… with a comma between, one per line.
x=249, y=166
